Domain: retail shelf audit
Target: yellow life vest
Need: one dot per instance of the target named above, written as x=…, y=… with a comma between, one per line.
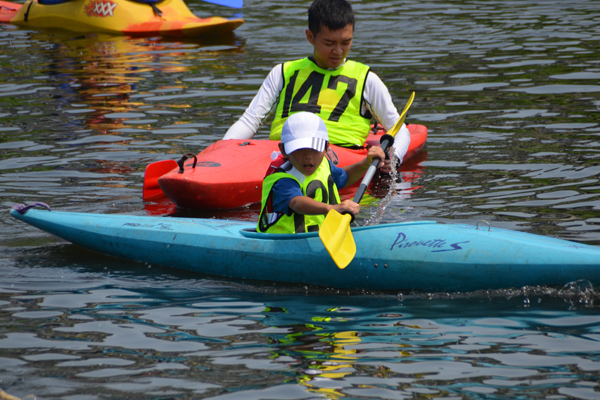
x=318, y=186
x=335, y=96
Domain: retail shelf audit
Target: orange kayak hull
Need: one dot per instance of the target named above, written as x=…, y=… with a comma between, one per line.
x=229, y=173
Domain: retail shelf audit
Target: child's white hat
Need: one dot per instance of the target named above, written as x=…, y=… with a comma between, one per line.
x=304, y=130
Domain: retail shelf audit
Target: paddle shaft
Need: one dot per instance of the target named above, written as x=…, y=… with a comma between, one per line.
x=386, y=141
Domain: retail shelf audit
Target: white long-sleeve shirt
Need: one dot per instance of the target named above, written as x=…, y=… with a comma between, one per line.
x=376, y=97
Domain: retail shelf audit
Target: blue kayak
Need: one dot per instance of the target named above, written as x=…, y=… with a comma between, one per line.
x=422, y=255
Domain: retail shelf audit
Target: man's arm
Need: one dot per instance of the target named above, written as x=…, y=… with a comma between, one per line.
x=259, y=108
x=379, y=101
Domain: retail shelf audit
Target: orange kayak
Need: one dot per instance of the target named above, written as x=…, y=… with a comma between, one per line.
x=229, y=173
x=119, y=17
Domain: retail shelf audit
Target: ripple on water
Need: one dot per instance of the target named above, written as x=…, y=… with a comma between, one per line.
x=508, y=93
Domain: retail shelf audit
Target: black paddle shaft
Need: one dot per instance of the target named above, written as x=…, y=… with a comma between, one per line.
x=386, y=142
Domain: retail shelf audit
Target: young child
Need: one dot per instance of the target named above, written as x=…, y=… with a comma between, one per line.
x=297, y=197
x=344, y=93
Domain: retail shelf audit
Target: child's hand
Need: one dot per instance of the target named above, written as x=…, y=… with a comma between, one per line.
x=357, y=170
x=347, y=206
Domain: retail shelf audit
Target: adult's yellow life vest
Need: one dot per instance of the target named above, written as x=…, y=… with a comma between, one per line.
x=335, y=96
x=318, y=186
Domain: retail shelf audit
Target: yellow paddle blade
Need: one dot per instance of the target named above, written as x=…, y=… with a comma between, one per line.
x=398, y=125
x=337, y=237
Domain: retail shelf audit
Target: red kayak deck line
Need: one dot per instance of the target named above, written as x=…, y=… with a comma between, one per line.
x=229, y=173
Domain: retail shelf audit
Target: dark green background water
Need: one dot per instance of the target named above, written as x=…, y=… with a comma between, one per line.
x=509, y=92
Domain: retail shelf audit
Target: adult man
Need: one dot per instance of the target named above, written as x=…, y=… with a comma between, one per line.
x=344, y=93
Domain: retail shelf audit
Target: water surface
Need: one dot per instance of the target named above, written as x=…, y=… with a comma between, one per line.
x=509, y=92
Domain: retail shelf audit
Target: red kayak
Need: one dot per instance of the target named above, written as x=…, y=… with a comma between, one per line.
x=229, y=173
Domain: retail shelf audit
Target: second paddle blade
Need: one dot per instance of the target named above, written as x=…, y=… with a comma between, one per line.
x=337, y=237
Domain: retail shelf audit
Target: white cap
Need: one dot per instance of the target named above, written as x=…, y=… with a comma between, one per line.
x=304, y=130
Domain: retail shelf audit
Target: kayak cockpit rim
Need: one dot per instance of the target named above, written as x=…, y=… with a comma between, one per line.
x=252, y=233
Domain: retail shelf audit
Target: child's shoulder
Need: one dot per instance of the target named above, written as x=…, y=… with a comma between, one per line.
x=332, y=166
